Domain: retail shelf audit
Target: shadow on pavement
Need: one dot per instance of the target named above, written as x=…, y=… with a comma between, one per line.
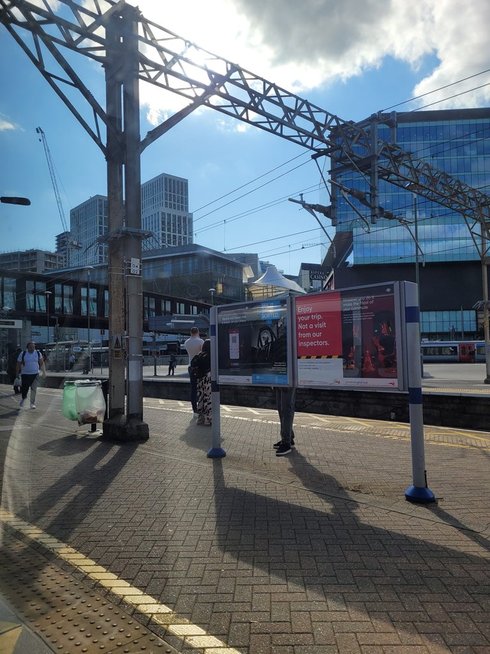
x=330, y=555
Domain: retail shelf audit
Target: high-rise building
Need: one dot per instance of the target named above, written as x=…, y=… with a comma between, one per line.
x=430, y=239
x=88, y=222
x=38, y=261
x=165, y=212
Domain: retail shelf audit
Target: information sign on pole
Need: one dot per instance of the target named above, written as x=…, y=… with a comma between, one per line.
x=254, y=343
x=350, y=338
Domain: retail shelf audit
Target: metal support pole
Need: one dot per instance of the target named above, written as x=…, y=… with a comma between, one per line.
x=154, y=354
x=115, y=158
x=417, y=268
x=216, y=451
x=416, y=231
x=418, y=492
x=126, y=305
x=486, y=327
x=132, y=187
x=89, y=349
x=47, y=295
x=374, y=178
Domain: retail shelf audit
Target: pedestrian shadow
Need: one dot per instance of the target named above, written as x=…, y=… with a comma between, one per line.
x=329, y=558
x=83, y=484
x=70, y=444
x=196, y=436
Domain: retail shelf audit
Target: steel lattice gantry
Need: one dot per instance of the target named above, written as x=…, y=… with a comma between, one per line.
x=132, y=49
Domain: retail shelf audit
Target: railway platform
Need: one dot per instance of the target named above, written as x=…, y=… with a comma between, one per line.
x=157, y=547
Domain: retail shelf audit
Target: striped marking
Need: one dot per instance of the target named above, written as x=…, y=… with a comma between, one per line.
x=412, y=314
x=323, y=356
x=415, y=395
x=190, y=634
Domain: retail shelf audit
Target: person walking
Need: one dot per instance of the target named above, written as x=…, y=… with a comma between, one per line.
x=286, y=404
x=201, y=367
x=193, y=346
x=30, y=363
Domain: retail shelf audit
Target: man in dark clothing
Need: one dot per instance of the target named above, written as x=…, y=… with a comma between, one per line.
x=285, y=403
x=193, y=346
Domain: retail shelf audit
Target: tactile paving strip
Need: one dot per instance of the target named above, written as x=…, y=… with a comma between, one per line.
x=68, y=615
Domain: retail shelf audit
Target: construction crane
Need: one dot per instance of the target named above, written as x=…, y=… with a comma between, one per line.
x=47, y=152
x=70, y=243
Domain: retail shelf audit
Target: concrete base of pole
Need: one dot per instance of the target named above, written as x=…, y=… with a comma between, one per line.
x=122, y=430
x=420, y=495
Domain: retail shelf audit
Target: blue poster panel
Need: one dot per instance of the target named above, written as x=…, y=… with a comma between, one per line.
x=253, y=343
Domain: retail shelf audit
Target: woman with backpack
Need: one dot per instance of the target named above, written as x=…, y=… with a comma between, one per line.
x=30, y=363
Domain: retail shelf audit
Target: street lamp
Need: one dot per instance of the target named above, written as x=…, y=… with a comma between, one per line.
x=14, y=200
x=212, y=291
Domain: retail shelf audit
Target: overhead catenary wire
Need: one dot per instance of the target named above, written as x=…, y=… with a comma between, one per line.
x=450, y=144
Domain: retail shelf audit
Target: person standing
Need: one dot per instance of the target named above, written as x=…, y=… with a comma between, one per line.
x=172, y=363
x=30, y=363
x=286, y=404
x=201, y=364
x=193, y=346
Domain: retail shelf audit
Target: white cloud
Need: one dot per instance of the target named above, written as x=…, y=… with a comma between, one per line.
x=462, y=49
x=313, y=43
x=6, y=124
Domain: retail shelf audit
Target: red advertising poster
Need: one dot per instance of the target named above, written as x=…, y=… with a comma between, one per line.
x=347, y=338
x=319, y=325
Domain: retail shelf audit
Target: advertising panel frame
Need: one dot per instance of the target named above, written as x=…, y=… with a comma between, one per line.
x=257, y=347
x=324, y=323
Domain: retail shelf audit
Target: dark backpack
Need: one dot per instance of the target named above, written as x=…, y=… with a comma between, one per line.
x=39, y=357
x=200, y=365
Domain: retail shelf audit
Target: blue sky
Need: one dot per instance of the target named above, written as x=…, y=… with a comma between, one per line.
x=351, y=58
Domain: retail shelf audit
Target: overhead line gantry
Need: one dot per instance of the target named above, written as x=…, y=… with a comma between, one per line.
x=132, y=49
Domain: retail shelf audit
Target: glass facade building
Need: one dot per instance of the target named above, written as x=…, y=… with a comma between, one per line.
x=454, y=141
x=165, y=212
x=88, y=221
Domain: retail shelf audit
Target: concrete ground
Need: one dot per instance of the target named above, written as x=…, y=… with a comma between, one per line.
x=317, y=552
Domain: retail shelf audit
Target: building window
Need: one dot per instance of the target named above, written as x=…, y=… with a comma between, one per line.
x=35, y=296
x=9, y=296
x=92, y=301
x=148, y=307
x=106, y=303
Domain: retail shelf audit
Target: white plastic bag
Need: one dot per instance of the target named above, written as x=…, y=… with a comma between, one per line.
x=90, y=402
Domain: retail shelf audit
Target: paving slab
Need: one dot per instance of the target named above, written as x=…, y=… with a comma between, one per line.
x=315, y=552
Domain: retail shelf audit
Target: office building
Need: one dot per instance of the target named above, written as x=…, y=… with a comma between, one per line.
x=447, y=261
x=88, y=222
x=164, y=213
x=31, y=261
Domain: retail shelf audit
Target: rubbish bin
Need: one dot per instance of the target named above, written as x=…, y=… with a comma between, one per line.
x=69, y=406
x=90, y=402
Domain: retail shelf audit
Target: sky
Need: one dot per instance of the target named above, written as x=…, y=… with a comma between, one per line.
x=352, y=58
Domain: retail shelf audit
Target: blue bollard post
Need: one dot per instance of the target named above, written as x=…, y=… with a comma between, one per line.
x=418, y=492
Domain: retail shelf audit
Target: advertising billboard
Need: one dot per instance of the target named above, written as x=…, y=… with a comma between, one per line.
x=350, y=337
x=254, y=343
